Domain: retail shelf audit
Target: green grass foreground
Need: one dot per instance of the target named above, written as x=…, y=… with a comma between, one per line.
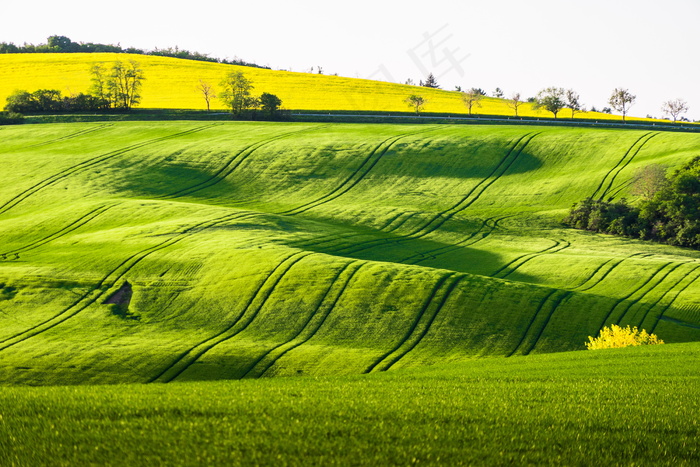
x=634, y=406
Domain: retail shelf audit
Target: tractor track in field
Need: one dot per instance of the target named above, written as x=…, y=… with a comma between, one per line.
x=555, y=304
x=65, y=138
x=326, y=305
x=612, y=179
x=475, y=193
x=652, y=285
x=621, y=187
x=439, y=219
x=665, y=309
x=631, y=293
x=612, y=174
x=233, y=163
x=358, y=175
x=515, y=264
x=76, y=224
x=111, y=278
x=579, y=288
x=421, y=324
x=86, y=164
x=473, y=238
x=669, y=289
x=254, y=304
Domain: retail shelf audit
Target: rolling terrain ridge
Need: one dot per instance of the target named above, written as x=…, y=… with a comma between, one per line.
x=271, y=249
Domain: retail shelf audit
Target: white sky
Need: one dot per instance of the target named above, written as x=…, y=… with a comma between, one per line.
x=592, y=46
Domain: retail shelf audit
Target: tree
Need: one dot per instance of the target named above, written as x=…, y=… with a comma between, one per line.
x=20, y=102
x=124, y=84
x=410, y=82
x=515, y=102
x=551, y=99
x=99, y=87
x=207, y=91
x=270, y=104
x=472, y=98
x=61, y=43
x=431, y=82
x=674, y=108
x=120, y=86
x=236, y=93
x=573, y=101
x=417, y=102
x=498, y=92
x=648, y=180
x=621, y=100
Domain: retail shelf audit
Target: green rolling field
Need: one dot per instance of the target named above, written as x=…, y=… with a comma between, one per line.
x=635, y=406
x=139, y=252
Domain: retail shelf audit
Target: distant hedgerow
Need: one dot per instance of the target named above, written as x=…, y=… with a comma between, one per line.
x=615, y=337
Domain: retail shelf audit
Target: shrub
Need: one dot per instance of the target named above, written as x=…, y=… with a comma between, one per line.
x=9, y=118
x=615, y=336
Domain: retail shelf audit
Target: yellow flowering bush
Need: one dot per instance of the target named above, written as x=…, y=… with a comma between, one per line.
x=615, y=336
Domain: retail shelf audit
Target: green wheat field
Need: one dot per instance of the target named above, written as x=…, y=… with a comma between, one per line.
x=366, y=282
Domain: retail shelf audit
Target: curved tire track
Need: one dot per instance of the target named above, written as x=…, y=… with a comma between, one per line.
x=248, y=314
x=64, y=138
x=421, y=324
x=621, y=164
x=316, y=320
x=358, y=175
x=81, y=221
x=669, y=289
x=579, y=288
x=513, y=265
x=650, y=286
x=110, y=280
x=663, y=312
x=86, y=164
x=233, y=164
x=439, y=219
x=531, y=325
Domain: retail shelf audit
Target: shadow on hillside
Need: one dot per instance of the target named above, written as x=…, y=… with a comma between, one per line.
x=480, y=160
x=384, y=247
x=173, y=181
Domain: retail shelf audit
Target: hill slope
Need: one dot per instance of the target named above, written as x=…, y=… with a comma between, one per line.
x=136, y=252
x=172, y=84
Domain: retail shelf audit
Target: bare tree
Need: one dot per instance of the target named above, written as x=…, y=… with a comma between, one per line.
x=416, y=101
x=648, y=181
x=621, y=100
x=573, y=101
x=472, y=98
x=515, y=102
x=551, y=99
x=674, y=108
x=207, y=91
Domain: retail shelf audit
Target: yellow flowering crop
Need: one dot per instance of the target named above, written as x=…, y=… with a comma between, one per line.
x=615, y=336
x=172, y=84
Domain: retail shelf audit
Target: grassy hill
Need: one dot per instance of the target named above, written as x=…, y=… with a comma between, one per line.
x=172, y=84
x=634, y=406
x=157, y=252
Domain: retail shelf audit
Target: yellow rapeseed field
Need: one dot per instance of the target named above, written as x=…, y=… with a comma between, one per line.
x=172, y=84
